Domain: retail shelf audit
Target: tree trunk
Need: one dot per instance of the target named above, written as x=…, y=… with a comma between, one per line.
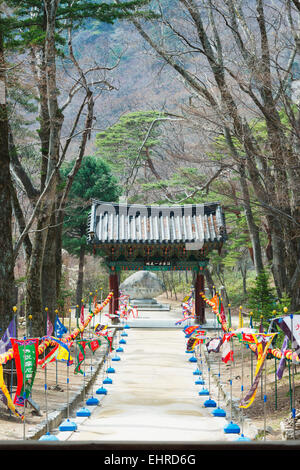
x=49, y=270
x=6, y=245
x=79, y=286
x=252, y=227
x=34, y=278
x=34, y=275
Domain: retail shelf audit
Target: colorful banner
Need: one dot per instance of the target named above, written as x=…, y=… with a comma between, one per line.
x=290, y=325
x=189, y=330
x=263, y=342
x=26, y=359
x=227, y=351
x=80, y=356
x=94, y=344
x=282, y=361
x=10, y=332
x=101, y=330
x=191, y=344
x=49, y=326
x=5, y=396
x=59, y=328
x=214, y=345
x=82, y=314
x=60, y=353
x=13, y=353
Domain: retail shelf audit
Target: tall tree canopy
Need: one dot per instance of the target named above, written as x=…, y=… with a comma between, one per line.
x=94, y=180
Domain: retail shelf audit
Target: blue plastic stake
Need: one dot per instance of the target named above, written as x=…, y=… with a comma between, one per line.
x=232, y=428
x=219, y=412
x=83, y=412
x=101, y=391
x=48, y=437
x=108, y=380
x=210, y=403
x=68, y=425
x=92, y=401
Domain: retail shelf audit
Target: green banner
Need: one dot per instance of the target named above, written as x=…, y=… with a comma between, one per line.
x=26, y=357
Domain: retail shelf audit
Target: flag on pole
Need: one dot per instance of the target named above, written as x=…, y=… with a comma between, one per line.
x=227, y=351
x=214, y=345
x=26, y=359
x=80, y=357
x=201, y=336
x=82, y=314
x=5, y=396
x=282, y=362
x=189, y=330
x=290, y=325
x=192, y=342
x=59, y=328
x=101, y=330
x=245, y=334
x=221, y=317
x=49, y=325
x=263, y=342
x=94, y=345
x=10, y=332
x=60, y=352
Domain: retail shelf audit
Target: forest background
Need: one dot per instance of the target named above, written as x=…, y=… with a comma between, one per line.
x=164, y=102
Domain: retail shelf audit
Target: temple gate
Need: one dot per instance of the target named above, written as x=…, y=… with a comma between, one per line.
x=170, y=238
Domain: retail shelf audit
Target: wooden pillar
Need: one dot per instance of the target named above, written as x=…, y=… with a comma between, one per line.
x=114, y=287
x=199, y=302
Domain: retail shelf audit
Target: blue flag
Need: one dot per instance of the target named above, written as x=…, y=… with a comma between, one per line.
x=282, y=362
x=59, y=328
x=11, y=332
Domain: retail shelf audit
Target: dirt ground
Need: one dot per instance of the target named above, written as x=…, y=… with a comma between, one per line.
x=264, y=415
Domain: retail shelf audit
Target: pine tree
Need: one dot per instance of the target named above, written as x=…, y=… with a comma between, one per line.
x=262, y=300
x=94, y=180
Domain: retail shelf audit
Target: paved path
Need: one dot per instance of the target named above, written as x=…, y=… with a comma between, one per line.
x=153, y=396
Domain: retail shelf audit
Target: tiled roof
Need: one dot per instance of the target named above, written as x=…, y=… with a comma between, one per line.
x=113, y=223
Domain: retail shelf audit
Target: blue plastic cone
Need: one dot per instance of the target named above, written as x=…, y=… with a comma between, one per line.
x=210, y=403
x=68, y=425
x=116, y=358
x=200, y=382
x=192, y=359
x=204, y=391
x=122, y=341
x=197, y=372
x=119, y=350
x=110, y=370
x=124, y=333
x=92, y=401
x=48, y=437
x=127, y=326
x=219, y=412
x=101, y=391
x=232, y=428
x=108, y=380
x=243, y=438
x=83, y=412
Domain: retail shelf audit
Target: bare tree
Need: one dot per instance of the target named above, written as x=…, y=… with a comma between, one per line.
x=237, y=58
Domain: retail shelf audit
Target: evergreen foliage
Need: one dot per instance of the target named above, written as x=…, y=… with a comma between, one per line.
x=128, y=143
x=93, y=180
x=262, y=300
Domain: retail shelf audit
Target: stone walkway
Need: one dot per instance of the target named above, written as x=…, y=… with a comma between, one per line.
x=153, y=397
